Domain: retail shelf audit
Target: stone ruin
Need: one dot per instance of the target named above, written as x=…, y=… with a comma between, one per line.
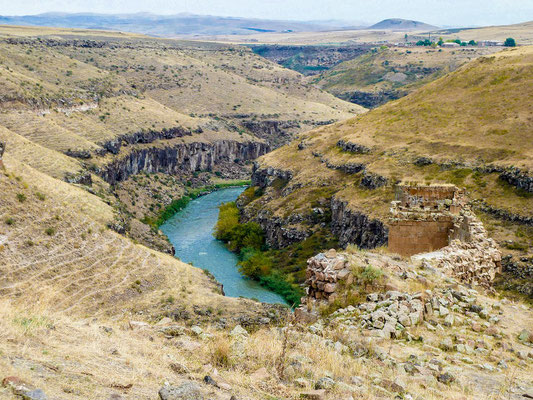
x=471, y=256
x=432, y=220
x=422, y=217
x=437, y=219
x=323, y=272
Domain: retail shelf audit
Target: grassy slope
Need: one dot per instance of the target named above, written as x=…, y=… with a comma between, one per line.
x=522, y=33
x=420, y=64
x=477, y=115
x=151, y=84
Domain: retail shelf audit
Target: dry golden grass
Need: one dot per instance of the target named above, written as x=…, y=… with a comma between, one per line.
x=89, y=358
x=68, y=97
x=419, y=64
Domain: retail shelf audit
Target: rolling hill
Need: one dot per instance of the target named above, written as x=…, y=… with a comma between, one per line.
x=402, y=25
x=170, y=25
x=389, y=73
x=95, y=107
x=100, y=128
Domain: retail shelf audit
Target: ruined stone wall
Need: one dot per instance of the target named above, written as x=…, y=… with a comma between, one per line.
x=422, y=218
x=427, y=196
x=323, y=272
x=472, y=256
x=412, y=237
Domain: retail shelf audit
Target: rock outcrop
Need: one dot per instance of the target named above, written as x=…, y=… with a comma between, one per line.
x=279, y=232
x=263, y=177
x=114, y=146
x=372, y=99
x=276, y=133
x=518, y=178
x=354, y=148
x=355, y=227
x=195, y=156
x=2, y=149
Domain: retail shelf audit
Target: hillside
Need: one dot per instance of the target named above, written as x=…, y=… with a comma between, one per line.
x=390, y=73
x=471, y=128
x=522, y=33
x=402, y=25
x=115, y=105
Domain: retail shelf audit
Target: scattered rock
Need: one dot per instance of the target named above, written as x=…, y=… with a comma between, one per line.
x=392, y=386
x=313, y=395
x=446, y=378
x=525, y=336
x=324, y=383
x=446, y=344
x=23, y=389
x=138, y=325
x=179, y=368
x=197, y=330
x=210, y=381
x=186, y=391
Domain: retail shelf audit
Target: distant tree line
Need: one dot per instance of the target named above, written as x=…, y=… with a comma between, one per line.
x=509, y=42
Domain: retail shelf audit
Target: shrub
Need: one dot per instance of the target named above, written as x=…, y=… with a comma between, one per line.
x=21, y=197
x=40, y=196
x=9, y=221
x=509, y=42
x=220, y=351
x=50, y=231
x=370, y=275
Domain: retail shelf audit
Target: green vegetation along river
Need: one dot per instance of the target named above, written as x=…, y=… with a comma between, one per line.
x=191, y=233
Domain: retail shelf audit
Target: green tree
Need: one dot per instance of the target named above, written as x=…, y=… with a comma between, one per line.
x=510, y=42
x=440, y=42
x=472, y=43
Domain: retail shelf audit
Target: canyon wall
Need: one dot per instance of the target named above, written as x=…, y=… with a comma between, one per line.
x=355, y=227
x=195, y=156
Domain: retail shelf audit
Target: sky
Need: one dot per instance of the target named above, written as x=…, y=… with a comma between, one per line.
x=440, y=13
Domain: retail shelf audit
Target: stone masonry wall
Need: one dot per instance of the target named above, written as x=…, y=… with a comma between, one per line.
x=412, y=237
x=422, y=218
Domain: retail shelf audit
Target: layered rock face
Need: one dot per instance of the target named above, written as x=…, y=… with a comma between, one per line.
x=355, y=227
x=181, y=157
x=263, y=177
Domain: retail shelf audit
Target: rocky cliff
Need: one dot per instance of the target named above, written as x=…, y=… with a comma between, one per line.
x=194, y=156
x=355, y=227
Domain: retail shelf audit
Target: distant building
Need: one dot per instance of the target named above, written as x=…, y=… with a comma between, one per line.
x=489, y=43
x=450, y=44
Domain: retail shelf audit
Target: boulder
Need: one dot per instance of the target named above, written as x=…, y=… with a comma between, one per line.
x=185, y=391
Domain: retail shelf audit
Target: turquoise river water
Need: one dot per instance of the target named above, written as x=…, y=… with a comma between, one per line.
x=191, y=233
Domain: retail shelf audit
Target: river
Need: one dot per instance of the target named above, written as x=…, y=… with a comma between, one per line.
x=191, y=233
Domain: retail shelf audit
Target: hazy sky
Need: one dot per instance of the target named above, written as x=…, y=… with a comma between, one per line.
x=443, y=12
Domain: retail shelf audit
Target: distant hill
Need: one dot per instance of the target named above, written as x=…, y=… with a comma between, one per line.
x=402, y=24
x=522, y=33
x=171, y=25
